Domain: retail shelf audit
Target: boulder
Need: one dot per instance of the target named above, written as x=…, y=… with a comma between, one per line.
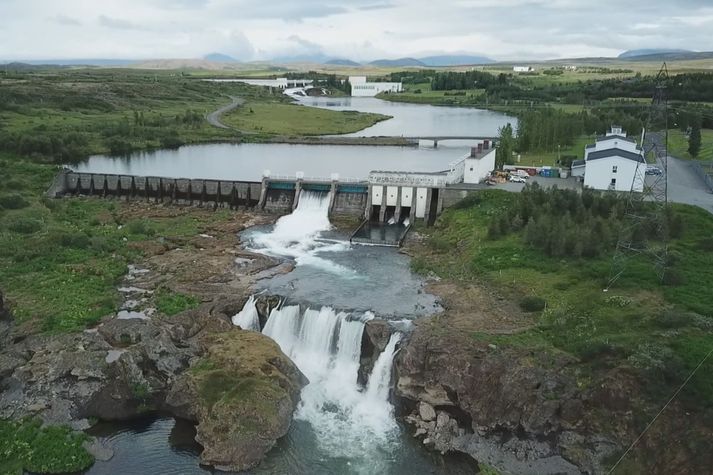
x=242, y=394
x=374, y=340
x=426, y=411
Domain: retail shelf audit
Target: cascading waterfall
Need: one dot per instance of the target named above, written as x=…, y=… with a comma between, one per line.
x=297, y=235
x=349, y=421
x=248, y=318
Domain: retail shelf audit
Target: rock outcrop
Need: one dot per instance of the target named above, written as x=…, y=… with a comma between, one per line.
x=4, y=311
x=242, y=394
x=525, y=412
x=374, y=340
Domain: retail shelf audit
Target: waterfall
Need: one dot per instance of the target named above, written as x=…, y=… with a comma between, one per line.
x=247, y=318
x=326, y=345
x=380, y=379
x=297, y=235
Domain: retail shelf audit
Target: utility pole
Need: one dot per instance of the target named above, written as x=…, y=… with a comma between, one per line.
x=647, y=209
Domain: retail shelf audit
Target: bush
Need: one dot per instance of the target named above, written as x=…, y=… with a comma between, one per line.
x=28, y=446
x=140, y=228
x=13, y=201
x=170, y=303
x=673, y=277
x=73, y=240
x=533, y=304
x=118, y=146
x=23, y=225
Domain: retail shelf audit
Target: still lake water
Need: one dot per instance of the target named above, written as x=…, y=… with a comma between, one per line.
x=248, y=162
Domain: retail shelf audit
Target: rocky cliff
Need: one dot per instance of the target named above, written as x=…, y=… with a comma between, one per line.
x=525, y=412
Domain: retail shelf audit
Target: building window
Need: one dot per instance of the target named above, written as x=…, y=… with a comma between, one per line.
x=613, y=169
x=613, y=182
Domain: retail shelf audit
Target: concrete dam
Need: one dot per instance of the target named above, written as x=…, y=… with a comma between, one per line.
x=388, y=198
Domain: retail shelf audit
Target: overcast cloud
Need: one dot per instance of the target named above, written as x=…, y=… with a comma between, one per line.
x=355, y=29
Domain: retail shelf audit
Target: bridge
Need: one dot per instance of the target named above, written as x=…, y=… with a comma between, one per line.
x=437, y=138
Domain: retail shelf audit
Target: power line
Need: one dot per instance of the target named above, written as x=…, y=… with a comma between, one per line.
x=648, y=426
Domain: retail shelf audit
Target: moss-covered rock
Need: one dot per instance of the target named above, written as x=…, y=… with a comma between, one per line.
x=242, y=394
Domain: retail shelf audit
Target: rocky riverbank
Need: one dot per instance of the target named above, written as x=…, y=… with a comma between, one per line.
x=467, y=385
x=236, y=385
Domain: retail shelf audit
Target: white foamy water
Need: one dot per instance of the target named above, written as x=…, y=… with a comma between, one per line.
x=297, y=235
x=348, y=420
x=248, y=318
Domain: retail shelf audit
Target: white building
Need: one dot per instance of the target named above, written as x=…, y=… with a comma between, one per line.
x=615, y=162
x=362, y=88
x=523, y=69
x=279, y=83
x=479, y=164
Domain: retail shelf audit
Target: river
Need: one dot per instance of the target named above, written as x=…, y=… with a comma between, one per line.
x=340, y=426
x=248, y=162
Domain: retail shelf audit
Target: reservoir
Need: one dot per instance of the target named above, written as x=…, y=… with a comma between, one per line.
x=248, y=162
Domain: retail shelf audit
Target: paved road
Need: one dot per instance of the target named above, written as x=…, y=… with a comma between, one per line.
x=214, y=117
x=686, y=186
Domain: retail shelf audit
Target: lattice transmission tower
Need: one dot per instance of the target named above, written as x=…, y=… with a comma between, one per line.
x=647, y=202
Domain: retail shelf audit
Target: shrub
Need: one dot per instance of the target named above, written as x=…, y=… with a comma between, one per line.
x=28, y=446
x=13, y=201
x=673, y=277
x=533, y=304
x=23, y=225
x=140, y=228
x=170, y=303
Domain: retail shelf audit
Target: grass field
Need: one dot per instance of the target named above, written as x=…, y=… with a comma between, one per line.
x=678, y=145
x=539, y=159
x=61, y=260
x=275, y=118
x=660, y=331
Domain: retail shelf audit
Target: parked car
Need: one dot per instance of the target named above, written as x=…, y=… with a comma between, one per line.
x=653, y=170
x=517, y=179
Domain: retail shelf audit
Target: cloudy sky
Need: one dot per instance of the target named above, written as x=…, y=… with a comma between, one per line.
x=355, y=29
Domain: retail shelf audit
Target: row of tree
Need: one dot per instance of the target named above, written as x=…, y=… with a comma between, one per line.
x=568, y=223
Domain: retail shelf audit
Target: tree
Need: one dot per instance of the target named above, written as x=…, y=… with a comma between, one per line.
x=694, y=140
x=506, y=143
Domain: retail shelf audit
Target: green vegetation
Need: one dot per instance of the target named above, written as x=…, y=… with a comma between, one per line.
x=170, y=303
x=678, y=144
x=66, y=115
x=660, y=332
x=61, y=260
x=27, y=446
x=276, y=118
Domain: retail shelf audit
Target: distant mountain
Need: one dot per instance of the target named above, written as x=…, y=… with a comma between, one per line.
x=633, y=53
x=390, y=63
x=342, y=62
x=16, y=66
x=455, y=60
x=219, y=58
x=317, y=58
x=683, y=56
x=78, y=62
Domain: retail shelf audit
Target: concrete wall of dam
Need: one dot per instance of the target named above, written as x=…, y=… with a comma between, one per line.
x=375, y=202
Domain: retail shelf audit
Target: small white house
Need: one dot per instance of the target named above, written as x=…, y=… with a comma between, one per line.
x=479, y=164
x=362, y=88
x=614, y=162
x=523, y=69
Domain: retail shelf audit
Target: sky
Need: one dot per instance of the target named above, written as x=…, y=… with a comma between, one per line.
x=362, y=30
